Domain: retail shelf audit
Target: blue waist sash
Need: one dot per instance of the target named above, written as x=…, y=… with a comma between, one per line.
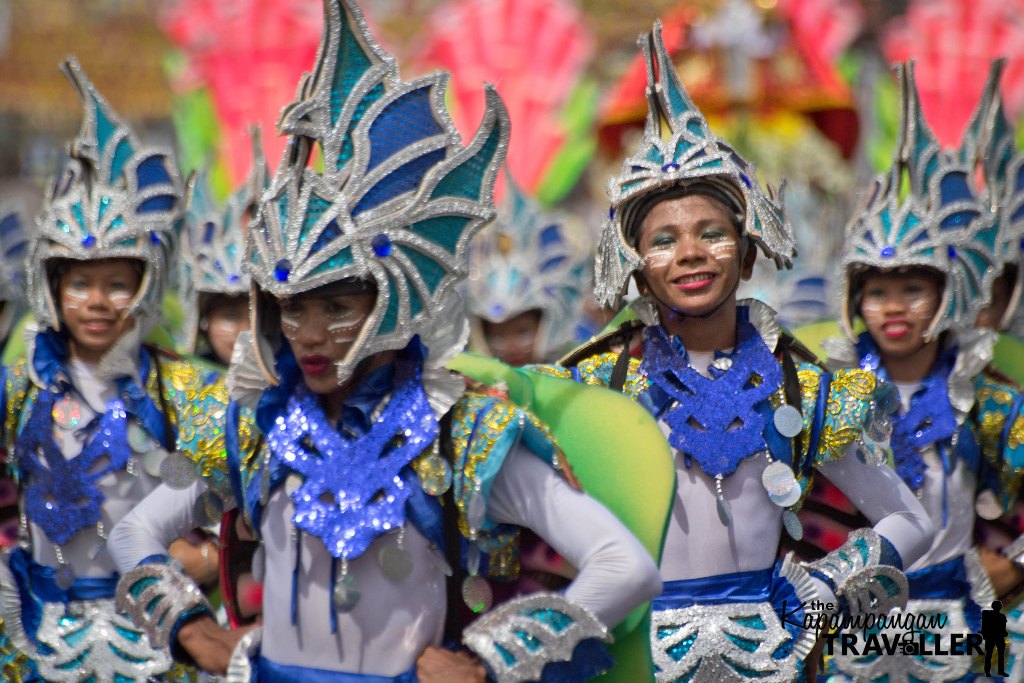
x=946, y=581
x=266, y=671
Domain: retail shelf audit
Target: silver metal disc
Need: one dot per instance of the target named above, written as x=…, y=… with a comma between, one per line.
x=395, y=562
x=346, y=594
x=177, y=471
x=64, y=576
x=152, y=461
x=724, y=514
x=435, y=475
x=477, y=594
x=67, y=413
x=476, y=510
x=792, y=524
x=790, y=497
x=987, y=505
x=777, y=479
x=209, y=509
x=292, y=483
x=138, y=438
x=788, y=421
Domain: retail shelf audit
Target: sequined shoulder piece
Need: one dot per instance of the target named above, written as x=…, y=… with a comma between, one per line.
x=597, y=370
x=484, y=430
x=15, y=666
x=850, y=396
x=999, y=428
x=202, y=434
x=16, y=388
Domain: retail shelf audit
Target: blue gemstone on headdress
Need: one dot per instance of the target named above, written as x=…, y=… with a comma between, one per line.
x=888, y=252
x=88, y=241
x=282, y=270
x=232, y=279
x=497, y=310
x=154, y=238
x=671, y=166
x=746, y=180
x=951, y=250
x=611, y=212
x=1021, y=245
x=381, y=244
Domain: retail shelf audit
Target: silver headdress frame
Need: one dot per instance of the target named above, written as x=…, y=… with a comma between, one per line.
x=113, y=199
x=991, y=142
x=679, y=148
x=397, y=203
x=523, y=261
x=213, y=248
x=941, y=223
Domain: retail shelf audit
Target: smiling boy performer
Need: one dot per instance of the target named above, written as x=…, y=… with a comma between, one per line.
x=918, y=263
x=91, y=414
x=748, y=424
x=354, y=310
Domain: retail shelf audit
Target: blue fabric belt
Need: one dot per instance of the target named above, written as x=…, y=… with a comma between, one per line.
x=724, y=589
x=266, y=671
x=946, y=581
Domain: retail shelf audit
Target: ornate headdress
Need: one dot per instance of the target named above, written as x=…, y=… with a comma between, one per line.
x=113, y=199
x=398, y=200
x=991, y=140
x=689, y=154
x=213, y=250
x=522, y=262
x=941, y=223
x=13, y=249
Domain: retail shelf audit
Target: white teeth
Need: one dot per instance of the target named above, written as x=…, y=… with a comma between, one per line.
x=687, y=279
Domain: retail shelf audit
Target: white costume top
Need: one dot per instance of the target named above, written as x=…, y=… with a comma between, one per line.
x=394, y=621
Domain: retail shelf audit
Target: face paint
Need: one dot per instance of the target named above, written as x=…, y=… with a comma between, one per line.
x=121, y=300
x=658, y=259
x=724, y=250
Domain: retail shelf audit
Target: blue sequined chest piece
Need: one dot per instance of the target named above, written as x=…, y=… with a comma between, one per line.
x=62, y=495
x=353, y=490
x=714, y=420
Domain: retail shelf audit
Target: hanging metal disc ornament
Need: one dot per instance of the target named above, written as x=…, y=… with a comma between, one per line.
x=476, y=510
x=880, y=427
x=439, y=561
x=67, y=413
x=209, y=509
x=97, y=549
x=177, y=471
x=778, y=480
x=138, y=438
x=264, y=487
x=346, y=593
x=887, y=398
x=395, y=562
x=987, y=505
x=788, y=421
x=64, y=576
x=435, y=474
x=724, y=514
x=791, y=522
x=477, y=594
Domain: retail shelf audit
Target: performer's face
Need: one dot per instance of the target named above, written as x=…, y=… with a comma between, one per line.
x=227, y=318
x=94, y=300
x=692, y=256
x=514, y=341
x=898, y=308
x=321, y=330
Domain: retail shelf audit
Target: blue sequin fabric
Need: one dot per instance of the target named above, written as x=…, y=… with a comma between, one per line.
x=62, y=495
x=353, y=490
x=714, y=420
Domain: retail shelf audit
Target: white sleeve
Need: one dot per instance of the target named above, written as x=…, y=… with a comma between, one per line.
x=616, y=573
x=162, y=516
x=882, y=497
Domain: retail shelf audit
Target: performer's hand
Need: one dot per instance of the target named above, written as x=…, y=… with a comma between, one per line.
x=1003, y=572
x=209, y=645
x=200, y=558
x=437, y=665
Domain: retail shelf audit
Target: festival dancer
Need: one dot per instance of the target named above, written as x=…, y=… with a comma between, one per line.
x=918, y=264
x=525, y=287
x=749, y=414
x=364, y=433
x=92, y=415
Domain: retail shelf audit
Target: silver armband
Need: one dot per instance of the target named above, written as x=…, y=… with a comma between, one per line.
x=519, y=638
x=857, y=575
x=155, y=596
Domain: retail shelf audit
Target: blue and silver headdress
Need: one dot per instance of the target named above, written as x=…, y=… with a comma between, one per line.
x=522, y=262
x=213, y=249
x=991, y=140
x=397, y=203
x=941, y=223
x=113, y=199
x=678, y=148
x=13, y=249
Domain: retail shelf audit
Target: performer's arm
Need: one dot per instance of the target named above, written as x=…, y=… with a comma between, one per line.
x=616, y=573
